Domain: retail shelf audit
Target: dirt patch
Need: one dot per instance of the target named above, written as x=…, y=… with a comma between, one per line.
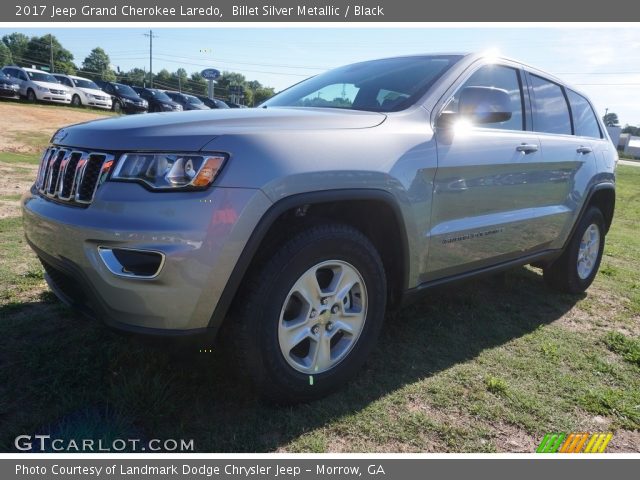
x=26, y=127
x=15, y=179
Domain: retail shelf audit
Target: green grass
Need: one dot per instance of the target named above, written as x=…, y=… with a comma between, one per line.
x=490, y=365
x=13, y=158
x=629, y=348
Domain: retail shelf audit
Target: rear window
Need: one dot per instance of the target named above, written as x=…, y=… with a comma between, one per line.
x=550, y=109
x=585, y=122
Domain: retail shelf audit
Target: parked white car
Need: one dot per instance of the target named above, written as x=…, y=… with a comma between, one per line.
x=84, y=92
x=37, y=85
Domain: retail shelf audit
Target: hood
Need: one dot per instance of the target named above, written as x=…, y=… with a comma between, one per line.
x=93, y=91
x=50, y=85
x=192, y=130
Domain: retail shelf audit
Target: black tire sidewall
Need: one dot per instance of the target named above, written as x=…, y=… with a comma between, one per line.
x=275, y=369
x=75, y=103
x=31, y=96
x=592, y=216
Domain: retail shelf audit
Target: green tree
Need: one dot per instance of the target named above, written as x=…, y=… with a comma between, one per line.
x=197, y=84
x=611, y=120
x=38, y=52
x=635, y=131
x=262, y=94
x=5, y=55
x=165, y=80
x=135, y=76
x=97, y=66
x=17, y=44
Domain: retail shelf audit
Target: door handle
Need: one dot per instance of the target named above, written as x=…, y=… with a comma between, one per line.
x=584, y=150
x=527, y=148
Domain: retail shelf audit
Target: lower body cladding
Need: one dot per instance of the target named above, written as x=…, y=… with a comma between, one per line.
x=143, y=261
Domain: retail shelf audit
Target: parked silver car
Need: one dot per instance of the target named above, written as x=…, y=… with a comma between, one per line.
x=297, y=225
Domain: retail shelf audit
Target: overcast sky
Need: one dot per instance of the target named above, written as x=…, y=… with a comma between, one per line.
x=602, y=62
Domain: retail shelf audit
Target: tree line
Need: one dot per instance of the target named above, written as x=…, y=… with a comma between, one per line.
x=19, y=49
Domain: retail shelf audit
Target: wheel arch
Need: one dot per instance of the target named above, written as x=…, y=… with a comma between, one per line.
x=601, y=195
x=293, y=213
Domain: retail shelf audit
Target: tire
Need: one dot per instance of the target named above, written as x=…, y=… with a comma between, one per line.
x=116, y=107
x=264, y=313
x=31, y=96
x=578, y=265
x=76, y=101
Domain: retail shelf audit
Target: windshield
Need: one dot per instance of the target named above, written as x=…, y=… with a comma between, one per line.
x=124, y=90
x=42, y=77
x=158, y=95
x=387, y=85
x=193, y=100
x=82, y=83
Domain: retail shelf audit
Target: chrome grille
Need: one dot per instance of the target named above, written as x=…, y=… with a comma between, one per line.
x=72, y=175
x=56, y=92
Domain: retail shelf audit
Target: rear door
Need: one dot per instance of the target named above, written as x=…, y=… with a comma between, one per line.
x=483, y=185
x=567, y=162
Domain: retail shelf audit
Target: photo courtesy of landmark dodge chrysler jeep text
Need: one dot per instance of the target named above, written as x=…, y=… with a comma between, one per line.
x=296, y=225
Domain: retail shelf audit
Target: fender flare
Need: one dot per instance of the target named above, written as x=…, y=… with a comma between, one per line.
x=288, y=203
x=592, y=190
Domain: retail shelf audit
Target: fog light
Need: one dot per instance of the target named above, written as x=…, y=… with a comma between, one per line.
x=132, y=263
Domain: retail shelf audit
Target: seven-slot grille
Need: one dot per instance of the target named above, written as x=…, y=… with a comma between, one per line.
x=72, y=175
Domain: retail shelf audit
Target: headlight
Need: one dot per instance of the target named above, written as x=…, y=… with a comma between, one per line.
x=42, y=89
x=126, y=100
x=170, y=171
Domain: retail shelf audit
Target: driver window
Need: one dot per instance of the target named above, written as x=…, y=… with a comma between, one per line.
x=504, y=78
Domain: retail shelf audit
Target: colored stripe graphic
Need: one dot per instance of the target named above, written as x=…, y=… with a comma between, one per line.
x=574, y=442
x=551, y=442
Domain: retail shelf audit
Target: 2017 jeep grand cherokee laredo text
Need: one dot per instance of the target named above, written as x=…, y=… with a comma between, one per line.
x=300, y=223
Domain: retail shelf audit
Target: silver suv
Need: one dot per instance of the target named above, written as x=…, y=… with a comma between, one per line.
x=297, y=225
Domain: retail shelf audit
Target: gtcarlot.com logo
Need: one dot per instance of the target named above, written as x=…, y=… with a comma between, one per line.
x=46, y=443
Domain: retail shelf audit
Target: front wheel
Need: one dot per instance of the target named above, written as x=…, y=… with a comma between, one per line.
x=31, y=96
x=75, y=101
x=311, y=315
x=117, y=106
x=578, y=265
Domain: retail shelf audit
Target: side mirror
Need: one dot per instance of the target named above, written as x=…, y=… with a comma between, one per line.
x=480, y=105
x=485, y=105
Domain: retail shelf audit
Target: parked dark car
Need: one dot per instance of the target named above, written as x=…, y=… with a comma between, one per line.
x=124, y=98
x=212, y=102
x=158, y=100
x=188, y=102
x=8, y=88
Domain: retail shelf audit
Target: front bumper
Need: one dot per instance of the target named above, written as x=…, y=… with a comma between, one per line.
x=201, y=234
x=133, y=108
x=9, y=93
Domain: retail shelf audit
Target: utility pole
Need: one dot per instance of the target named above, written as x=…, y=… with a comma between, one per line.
x=151, y=37
x=51, y=54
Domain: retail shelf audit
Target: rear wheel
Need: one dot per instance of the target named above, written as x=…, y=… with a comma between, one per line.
x=578, y=265
x=311, y=314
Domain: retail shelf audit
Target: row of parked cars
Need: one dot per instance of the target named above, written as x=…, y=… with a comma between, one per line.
x=36, y=85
